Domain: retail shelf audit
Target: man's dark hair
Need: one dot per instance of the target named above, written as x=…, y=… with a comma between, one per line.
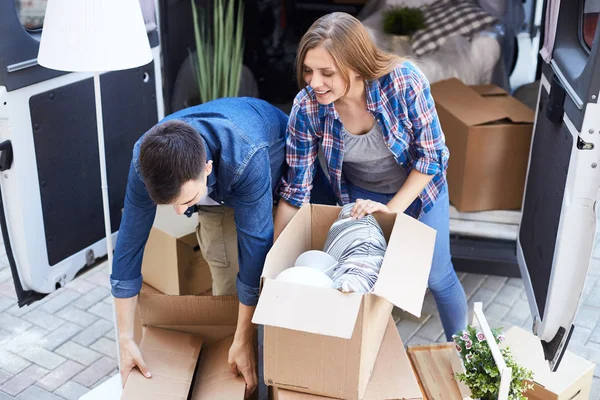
x=171, y=154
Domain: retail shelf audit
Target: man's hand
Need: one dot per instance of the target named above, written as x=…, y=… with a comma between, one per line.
x=131, y=357
x=364, y=207
x=243, y=360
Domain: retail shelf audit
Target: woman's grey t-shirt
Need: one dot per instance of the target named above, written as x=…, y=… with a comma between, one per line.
x=369, y=163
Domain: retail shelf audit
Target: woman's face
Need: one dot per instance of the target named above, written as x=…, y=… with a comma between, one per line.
x=321, y=73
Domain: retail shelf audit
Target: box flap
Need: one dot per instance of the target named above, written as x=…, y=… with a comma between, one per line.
x=192, y=241
x=214, y=380
x=405, y=270
x=160, y=262
x=293, y=241
x=527, y=350
x=149, y=289
x=489, y=90
x=172, y=358
x=167, y=220
x=392, y=379
x=516, y=111
x=465, y=103
x=393, y=376
x=209, y=334
x=308, y=309
x=160, y=309
x=322, y=217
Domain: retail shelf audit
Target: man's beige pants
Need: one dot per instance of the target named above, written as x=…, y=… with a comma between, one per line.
x=217, y=237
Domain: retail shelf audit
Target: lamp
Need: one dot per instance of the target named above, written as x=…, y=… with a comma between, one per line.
x=95, y=36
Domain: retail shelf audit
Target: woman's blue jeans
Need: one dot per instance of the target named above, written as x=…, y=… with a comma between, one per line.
x=445, y=286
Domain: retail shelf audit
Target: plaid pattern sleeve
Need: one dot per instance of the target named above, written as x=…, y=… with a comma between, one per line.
x=428, y=137
x=446, y=18
x=301, y=152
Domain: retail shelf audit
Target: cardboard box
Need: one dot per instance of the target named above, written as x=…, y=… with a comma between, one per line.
x=392, y=377
x=323, y=341
x=176, y=329
x=172, y=358
x=572, y=380
x=488, y=133
x=173, y=262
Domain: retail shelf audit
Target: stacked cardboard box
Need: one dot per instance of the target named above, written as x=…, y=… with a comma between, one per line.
x=572, y=380
x=185, y=344
x=488, y=133
x=172, y=262
x=323, y=342
x=392, y=377
x=186, y=336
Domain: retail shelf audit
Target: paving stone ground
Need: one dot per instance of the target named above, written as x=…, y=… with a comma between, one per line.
x=64, y=345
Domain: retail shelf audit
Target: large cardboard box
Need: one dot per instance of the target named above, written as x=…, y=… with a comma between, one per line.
x=323, y=341
x=173, y=262
x=572, y=380
x=185, y=344
x=488, y=133
x=392, y=378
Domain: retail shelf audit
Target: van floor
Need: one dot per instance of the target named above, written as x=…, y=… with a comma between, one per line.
x=64, y=345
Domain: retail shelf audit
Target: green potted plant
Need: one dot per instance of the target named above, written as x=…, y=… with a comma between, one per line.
x=219, y=54
x=403, y=22
x=481, y=373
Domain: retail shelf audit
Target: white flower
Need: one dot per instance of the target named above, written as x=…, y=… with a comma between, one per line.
x=465, y=336
x=469, y=344
x=501, y=338
x=458, y=348
x=480, y=337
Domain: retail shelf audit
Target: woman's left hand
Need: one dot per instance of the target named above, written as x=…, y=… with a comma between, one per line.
x=364, y=207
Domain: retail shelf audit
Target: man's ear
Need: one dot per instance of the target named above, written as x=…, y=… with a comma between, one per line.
x=208, y=168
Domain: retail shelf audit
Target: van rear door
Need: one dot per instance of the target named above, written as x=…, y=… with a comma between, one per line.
x=558, y=222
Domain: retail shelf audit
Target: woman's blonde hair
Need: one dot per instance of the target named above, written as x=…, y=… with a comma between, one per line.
x=350, y=45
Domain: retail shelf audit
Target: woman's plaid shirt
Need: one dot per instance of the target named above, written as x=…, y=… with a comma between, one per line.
x=401, y=102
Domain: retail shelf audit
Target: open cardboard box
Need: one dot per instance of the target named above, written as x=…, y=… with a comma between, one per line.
x=488, y=133
x=323, y=341
x=393, y=377
x=179, y=331
x=173, y=262
x=572, y=380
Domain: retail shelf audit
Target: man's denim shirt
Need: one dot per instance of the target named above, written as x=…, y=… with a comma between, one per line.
x=245, y=139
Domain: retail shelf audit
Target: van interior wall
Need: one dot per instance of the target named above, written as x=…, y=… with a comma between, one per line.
x=272, y=30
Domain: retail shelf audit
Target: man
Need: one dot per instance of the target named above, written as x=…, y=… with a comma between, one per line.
x=224, y=157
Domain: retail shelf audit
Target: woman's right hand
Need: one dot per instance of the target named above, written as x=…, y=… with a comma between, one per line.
x=131, y=357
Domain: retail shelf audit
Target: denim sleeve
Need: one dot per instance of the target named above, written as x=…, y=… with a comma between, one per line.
x=137, y=220
x=253, y=213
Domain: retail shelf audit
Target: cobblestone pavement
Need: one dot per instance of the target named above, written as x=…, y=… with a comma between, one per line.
x=64, y=345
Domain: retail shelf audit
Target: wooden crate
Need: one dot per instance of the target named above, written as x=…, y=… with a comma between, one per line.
x=433, y=367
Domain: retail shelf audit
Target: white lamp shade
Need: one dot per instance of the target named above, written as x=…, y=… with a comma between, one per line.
x=94, y=36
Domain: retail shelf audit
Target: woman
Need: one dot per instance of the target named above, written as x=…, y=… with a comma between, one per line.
x=374, y=117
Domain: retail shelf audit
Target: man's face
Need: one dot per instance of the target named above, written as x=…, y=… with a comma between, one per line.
x=192, y=191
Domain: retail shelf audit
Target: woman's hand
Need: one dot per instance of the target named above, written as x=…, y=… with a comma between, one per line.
x=364, y=207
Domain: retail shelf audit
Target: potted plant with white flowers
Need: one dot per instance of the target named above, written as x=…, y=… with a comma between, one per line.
x=481, y=373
